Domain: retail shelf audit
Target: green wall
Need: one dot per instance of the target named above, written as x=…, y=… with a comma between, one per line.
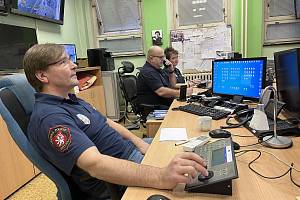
x=254, y=28
x=236, y=17
x=254, y=32
x=155, y=18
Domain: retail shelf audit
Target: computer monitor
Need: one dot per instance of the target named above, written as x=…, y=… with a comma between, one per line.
x=287, y=69
x=239, y=77
x=14, y=42
x=71, y=51
x=51, y=11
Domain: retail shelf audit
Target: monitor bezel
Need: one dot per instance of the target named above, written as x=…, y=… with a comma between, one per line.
x=240, y=59
x=276, y=62
x=75, y=49
x=15, y=10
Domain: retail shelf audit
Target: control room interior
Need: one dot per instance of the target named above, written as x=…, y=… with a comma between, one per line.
x=244, y=56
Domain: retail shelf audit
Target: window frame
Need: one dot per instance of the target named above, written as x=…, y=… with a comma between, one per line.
x=118, y=34
x=226, y=20
x=278, y=20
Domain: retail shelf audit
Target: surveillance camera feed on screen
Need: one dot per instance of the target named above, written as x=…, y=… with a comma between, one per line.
x=242, y=77
x=46, y=8
x=71, y=52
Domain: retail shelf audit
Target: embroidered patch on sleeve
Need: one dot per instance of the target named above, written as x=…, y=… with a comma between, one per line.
x=60, y=137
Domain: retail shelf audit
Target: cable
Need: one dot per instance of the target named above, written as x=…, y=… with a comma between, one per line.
x=291, y=166
x=291, y=177
x=243, y=135
x=249, y=145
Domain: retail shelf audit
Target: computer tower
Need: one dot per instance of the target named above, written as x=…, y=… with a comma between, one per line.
x=101, y=57
x=115, y=105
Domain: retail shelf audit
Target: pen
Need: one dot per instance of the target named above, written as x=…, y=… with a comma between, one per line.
x=184, y=142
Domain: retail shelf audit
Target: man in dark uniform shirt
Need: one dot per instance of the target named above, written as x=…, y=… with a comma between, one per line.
x=81, y=142
x=154, y=85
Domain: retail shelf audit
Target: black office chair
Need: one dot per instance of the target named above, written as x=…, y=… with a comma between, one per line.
x=16, y=105
x=128, y=84
x=129, y=92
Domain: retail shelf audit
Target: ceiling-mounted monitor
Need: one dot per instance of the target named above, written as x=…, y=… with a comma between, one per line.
x=52, y=11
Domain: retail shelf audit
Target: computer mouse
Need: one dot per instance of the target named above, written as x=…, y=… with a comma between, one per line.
x=236, y=146
x=219, y=133
x=157, y=197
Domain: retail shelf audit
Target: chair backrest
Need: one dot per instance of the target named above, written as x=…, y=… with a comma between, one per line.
x=129, y=89
x=128, y=85
x=16, y=104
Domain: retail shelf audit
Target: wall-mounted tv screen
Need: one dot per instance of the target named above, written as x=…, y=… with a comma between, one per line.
x=52, y=11
x=14, y=42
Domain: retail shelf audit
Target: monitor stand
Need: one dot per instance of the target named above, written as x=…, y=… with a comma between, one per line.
x=237, y=99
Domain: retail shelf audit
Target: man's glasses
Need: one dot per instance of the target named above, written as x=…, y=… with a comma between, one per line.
x=63, y=61
x=160, y=57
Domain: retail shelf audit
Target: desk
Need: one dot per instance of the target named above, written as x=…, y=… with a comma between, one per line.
x=153, y=126
x=247, y=186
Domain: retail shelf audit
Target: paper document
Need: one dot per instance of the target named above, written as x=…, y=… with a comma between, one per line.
x=173, y=134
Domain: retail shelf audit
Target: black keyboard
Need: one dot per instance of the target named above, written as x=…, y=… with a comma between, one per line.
x=204, y=111
x=283, y=128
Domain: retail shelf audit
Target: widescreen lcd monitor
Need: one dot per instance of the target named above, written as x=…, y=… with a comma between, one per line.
x=287, y=69
x=14, y=42
x=239, y=77
x=50, y=10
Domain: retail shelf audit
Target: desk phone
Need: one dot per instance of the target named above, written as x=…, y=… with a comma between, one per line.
x=221, y=165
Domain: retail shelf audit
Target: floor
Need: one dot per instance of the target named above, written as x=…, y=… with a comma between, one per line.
x=42, y=188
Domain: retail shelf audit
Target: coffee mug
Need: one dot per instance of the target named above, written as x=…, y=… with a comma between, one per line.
x=204, y=123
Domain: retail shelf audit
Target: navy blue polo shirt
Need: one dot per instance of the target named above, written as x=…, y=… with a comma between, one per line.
x=62, y=129
x=149, y=80
x=178, y=75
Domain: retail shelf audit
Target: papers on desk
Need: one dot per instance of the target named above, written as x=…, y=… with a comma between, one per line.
x=173, y=134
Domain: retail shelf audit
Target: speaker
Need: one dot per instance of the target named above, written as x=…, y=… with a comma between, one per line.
x=100, y=57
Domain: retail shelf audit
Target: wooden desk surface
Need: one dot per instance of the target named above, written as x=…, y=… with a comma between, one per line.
x=247, y=186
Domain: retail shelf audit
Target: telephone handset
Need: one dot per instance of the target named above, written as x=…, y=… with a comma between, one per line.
x=214, y=103
x=164, y=63
x=243, y=116
x=246, y=113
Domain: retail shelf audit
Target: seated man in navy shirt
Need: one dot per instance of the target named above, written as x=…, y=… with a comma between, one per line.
x=155, y=85
x=83, y=143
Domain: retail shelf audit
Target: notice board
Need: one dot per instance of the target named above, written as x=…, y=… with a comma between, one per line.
x=199, y=46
